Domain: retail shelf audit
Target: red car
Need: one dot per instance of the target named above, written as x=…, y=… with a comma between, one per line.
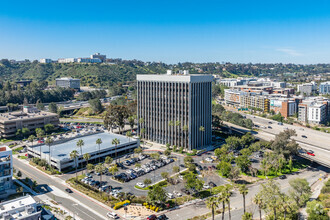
x=310, y=154
x=152, y=217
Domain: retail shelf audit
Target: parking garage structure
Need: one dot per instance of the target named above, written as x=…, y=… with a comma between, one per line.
x=60, y=152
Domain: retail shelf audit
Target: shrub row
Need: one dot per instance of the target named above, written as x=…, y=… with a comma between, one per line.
x=118, y=205
x=151, y=207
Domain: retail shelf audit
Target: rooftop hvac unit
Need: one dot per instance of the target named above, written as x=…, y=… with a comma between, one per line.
x=6, y=216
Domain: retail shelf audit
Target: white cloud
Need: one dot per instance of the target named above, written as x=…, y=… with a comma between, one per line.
x=290, y=52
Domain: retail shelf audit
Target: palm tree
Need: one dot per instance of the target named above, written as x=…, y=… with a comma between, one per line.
x=108, y=160
x=74, y=155
x=49, y=141
x=141, y=121
x=212, y=203
x=171, y=124
x=99, y=169
x=227, y=194
x=115, y=142
x=80, y=144
x=40, y=133
x=31, y=139
x=129, y=135
x=222, y=198
x=131, y=122
x=87, y=156
x=257, y=199
x=99, y=142
x=244, y=191
x=185, y=129
x=177, y=125
x=201, y=129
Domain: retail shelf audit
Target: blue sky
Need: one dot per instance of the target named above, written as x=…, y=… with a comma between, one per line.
x=169, y=31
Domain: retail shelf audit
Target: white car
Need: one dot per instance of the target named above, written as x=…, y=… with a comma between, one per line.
x=209, y=159
x=112, y=215
x=170, y=195
x=140, y=185
x=180, y=177
x=129, y=171
x=206, y=186
x=177, y=193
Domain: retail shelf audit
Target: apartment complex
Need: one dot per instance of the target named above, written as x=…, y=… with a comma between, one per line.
x=30, y=118
x=23, y=208
x=6, y=170
x=324, y=88
x=94, y=58
x=174, y=108
x=314, y=110
x=286, y=106
x=45, y=60
x=307, y=88
x=68, y=82
x=103, y=58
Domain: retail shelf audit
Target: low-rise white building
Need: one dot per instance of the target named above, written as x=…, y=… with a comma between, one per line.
x=307, y=88
x=67, y=60
x=316, y=113
x=45, y=60
x=6, y=170
x=22, y=208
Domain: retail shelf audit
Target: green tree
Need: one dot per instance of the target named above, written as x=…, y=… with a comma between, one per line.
x=40, y=105
x=49, y=141
x=52, y=107
x=108, y=160
x=19, y=132
x=131, y=122
x=99, y=142
x=25, y=132
x=164, y=175
x=31, y=139
x=188, y=160
x=96, y=105
x=258, y=200
x=157, y=194
x=89, y=167
x=176, y=169
x=212, y=203
x=224, y=168
x=271, y=195
x=243, y=162
x=129, y=135
x=87, y=156
x=300, y=191
x=243, y=190
x=100, y=169
x=115, y=142
x=201, y=130
x=316, y=211
x=80, y=143
x=49, y=128
x=192, y=182
x=247, y=216
x=74, y=155
x=138, y=150
x=147, y=181
x=113, y=169
x=226, y=196
x=167, y=152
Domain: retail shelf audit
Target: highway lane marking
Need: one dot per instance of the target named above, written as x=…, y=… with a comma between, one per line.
x=78, y=192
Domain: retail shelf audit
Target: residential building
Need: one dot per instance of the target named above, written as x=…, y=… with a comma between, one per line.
x=314, y=110
x=307, y=88
x=231, y=82
x=30, y=118
x=316, y=113
x=233, y=97
x=45, y=60
x=21, y=208
x=254, y=101
x=324, y=88
x=89, y=60
x=169, y=103
x=67, y=60
x=68, y=82
x=60, y=151
x=6, y=171
x=287, y=107
x=254, y=87
x=278, y=84
x=103, y=58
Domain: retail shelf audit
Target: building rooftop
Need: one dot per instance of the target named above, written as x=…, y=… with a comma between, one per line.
x=20, y=115
x=62, y=151
x=175, y=77
x=16, y=207
x=66, y=78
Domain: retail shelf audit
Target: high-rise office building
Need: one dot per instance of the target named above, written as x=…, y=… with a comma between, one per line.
x=176, y=109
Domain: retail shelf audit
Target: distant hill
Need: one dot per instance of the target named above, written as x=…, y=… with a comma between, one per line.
x=106, y=75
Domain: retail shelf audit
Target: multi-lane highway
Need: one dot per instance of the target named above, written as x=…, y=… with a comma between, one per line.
x=76, y=203
x=318, y=142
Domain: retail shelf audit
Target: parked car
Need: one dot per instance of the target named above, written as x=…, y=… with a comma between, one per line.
x=212, y=184
x=177, y=194
x=152, y=217
x=162, y=217
x=282, y=177
x=310, y=154
x=303, y=136
x=206, y=186
x=185, y=191
x=170, y=196
x=140, y=185
x=112, y=215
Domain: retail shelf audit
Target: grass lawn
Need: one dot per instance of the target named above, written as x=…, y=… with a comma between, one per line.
x=297, y=165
